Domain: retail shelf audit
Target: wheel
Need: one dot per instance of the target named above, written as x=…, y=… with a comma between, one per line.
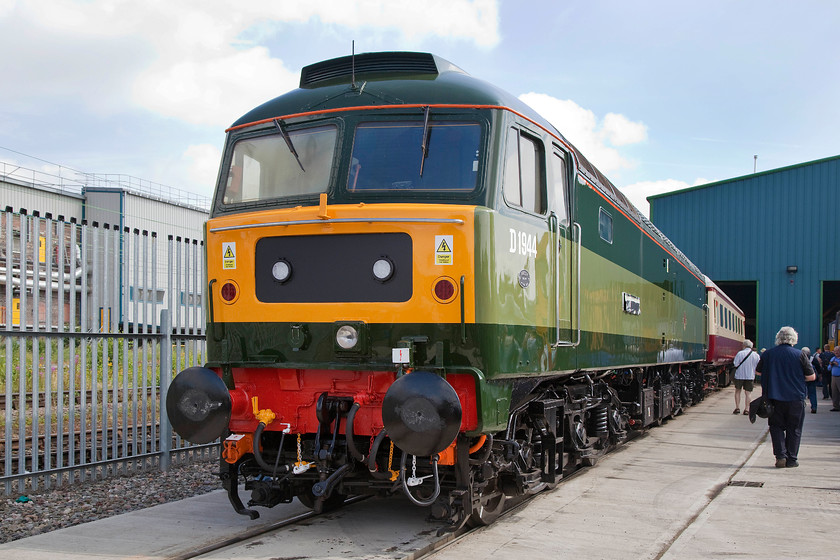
x=335, y=500
x=489, y=511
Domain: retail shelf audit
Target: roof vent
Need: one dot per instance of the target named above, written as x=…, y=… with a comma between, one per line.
x=370, y=63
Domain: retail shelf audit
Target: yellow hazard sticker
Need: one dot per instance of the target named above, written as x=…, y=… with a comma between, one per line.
x=229, y=256
x=443, y=249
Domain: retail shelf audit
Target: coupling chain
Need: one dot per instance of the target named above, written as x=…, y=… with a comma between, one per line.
x=300, y=466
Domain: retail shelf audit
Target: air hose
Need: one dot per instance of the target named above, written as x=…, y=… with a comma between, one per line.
x=428, y=501
x=258, y=454
x=371, y=461
x=351, y=444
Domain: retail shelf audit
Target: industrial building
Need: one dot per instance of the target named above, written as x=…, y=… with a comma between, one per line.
x=769, y=240
x=60, y=226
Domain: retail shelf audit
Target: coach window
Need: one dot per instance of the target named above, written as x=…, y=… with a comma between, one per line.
x=561, y=200
x=524, y=184
x=605, y=226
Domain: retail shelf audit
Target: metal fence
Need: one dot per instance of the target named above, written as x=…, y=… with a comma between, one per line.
x=91, y=342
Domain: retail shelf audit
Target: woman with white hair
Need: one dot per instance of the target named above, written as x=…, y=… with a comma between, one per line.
x=784, y=371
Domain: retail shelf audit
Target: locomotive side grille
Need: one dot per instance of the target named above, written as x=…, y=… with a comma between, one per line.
x=373, y=63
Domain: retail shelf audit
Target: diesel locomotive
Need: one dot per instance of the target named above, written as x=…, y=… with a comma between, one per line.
x=416, y=284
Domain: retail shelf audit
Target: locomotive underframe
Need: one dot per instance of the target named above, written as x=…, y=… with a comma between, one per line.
x=561, y=424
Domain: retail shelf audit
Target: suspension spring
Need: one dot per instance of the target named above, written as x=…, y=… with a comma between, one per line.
x=598, y=421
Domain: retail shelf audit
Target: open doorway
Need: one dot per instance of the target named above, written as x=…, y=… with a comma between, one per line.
x=745, y=296
x=830, y=308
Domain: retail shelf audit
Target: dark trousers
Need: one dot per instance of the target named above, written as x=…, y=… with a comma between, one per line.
x=786, y=428
x=826, y=382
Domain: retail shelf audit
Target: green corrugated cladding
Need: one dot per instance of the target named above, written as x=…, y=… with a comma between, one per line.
x=752, y=228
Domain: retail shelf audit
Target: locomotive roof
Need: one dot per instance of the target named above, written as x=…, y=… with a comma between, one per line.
x=413, y=78
x=387, y=79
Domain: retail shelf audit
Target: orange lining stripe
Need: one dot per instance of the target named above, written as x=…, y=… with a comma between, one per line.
x=632, y=221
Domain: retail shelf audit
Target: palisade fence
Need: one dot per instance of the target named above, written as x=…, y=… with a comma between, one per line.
x=95, y=322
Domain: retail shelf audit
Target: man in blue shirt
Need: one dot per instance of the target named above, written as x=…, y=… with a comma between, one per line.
x=784, y=371
x=834, y=366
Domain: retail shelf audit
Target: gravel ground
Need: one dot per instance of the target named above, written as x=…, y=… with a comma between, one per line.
x=68, y=505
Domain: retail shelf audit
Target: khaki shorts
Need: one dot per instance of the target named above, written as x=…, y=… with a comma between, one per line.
x=745, y=384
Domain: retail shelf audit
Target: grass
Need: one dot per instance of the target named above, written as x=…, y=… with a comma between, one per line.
x=122, y=368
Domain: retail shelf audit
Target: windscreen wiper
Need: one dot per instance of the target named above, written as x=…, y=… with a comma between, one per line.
x=424, y=147
x=280, y=126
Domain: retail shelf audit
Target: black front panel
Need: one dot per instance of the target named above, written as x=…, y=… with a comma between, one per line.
x=334, y=268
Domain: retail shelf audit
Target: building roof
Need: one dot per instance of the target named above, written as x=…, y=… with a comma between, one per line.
x=745, y=177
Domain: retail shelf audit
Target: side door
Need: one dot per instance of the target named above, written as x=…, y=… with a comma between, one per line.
x=525, y=270
x=566, y=262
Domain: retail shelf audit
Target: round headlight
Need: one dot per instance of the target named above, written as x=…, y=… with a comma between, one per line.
x=383, y=269
x=281, y=271
x=346, y=337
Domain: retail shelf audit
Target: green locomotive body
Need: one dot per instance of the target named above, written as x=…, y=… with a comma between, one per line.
x=403, y=257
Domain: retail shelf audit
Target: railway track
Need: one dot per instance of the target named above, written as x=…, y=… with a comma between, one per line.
x=64, y=397
x=428, y=537
x=80, y=454
x=254, y=533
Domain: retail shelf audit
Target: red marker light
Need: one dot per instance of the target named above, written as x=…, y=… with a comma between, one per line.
x=444, y=289
x=229, y=292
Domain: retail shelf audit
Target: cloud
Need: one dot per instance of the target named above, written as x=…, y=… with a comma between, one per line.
x=202, y=164
x=581, y=127
x=620, y=130
x=469, y=20
x=213, y=91
x=189, y=60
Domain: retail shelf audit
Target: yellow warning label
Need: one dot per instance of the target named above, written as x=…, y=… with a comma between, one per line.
x=229, y=256
x=443, y=250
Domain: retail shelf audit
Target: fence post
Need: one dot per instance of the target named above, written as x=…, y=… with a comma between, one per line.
x=165, y=380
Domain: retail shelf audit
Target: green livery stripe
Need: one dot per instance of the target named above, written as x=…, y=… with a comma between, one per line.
x=670, y=299
x=495, y=350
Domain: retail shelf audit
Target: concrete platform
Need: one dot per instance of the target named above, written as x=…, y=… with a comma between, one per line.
x=702, y=486
x=685, y=490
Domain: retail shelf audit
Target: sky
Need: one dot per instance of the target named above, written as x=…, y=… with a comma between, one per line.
x=659, y=95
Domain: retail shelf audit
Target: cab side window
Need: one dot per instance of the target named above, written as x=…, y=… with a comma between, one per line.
x=605, y=225
x=560, y=182
x=524, y=182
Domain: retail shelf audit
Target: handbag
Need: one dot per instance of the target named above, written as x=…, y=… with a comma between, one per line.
x=762, y=407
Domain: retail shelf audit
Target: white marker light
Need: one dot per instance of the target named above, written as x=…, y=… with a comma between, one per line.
x=281, y=271
x=347, y=337
x=383, y=269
